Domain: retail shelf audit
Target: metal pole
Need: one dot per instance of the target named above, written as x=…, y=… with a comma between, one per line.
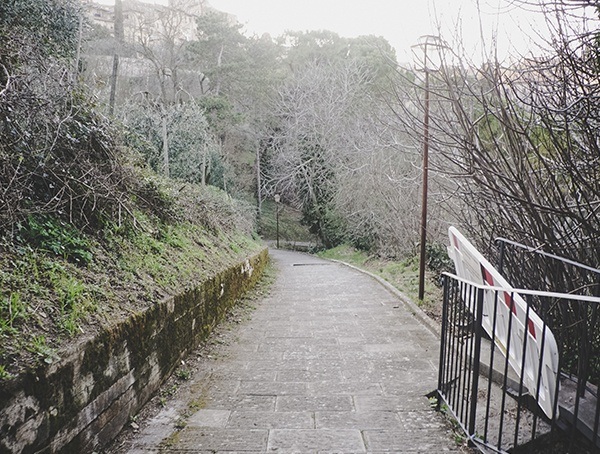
x=277, y=199
x=475, y=362
x=425, y=172
x=277, y=216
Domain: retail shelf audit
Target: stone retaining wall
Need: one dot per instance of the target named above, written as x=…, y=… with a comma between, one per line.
x=83, y=400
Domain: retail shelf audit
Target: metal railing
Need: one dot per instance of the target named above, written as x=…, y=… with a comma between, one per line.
x=528, y=267
x=480, y=381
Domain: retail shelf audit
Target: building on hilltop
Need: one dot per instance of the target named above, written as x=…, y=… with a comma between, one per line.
x=152, y=58
x=149, y=18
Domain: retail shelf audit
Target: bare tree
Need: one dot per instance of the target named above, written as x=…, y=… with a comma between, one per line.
x=314, y=108
x=57, y=155
x=515, y=148
x=119, y=41
x=160, y=39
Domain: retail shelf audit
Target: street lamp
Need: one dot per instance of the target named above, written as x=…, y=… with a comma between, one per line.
x=277, y=199
x=436, y=43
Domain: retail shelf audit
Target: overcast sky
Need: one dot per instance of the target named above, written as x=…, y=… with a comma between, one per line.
x=401, y=22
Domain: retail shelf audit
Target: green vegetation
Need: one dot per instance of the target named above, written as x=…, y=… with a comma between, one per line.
x=47, y=300
x=88, y=233
x=39, y=347
x=4, y=375
x=183, y=373
x=290, y=223
x=56, y=236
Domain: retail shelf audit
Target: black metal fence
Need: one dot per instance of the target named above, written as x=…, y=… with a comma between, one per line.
x=498, y=383
x=577, y=325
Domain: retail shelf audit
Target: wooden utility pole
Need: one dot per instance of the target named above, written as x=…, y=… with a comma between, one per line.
x=436, y=43
x=423, y=255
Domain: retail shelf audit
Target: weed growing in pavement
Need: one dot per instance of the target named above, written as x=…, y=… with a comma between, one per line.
x=183, y=374
x=458, y=434
x=197, y=404
x=169, y=391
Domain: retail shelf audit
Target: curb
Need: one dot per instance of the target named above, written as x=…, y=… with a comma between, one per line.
x=410, y=305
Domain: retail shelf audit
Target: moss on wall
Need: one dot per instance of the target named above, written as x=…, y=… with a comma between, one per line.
x=82, y=401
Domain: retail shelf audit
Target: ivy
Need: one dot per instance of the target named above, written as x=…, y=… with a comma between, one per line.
x=51, y=26
x=52, y=235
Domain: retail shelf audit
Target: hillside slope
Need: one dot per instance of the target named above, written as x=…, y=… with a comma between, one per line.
x=88, y=234
x=58, y=284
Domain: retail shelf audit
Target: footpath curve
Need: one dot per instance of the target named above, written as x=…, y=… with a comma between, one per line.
x=331, y=361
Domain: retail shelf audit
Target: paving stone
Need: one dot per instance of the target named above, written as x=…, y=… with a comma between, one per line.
x=211, y=439
x=238, y=402
x=275, y=388
x=424, y=441
x=309, y=375
x=286, y=342
x=314, y=403
x=347, y=342
x=223, y=386
x=271, y=420
x=246, y=375
x=209, y=418
x=330, y=362
x=306, y=440
x=428, y=419
x=285, y=330
x=356, y=420
x=226, y=368
x=362, y=355
x=312, y=355
x=320, y=364
x=391, y=403
x=166, y=416
x=274, y=366
x=263, y=356
x=388, y=347
x=283, y=348
x=355, y=388
x=421, y=385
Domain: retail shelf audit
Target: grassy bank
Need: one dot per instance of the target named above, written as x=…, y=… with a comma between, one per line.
x=59, y=284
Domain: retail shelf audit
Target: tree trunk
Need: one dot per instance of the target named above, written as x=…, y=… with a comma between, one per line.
x=165, y=141
x=219, y=62
x=119, y=38
x=203, y=168
x=79, y=39
x=113, y=84
x=258, y=182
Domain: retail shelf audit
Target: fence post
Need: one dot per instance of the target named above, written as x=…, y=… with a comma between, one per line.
x=476, y=358
x=442, y=362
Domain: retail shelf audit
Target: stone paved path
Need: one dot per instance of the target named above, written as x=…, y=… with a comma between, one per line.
x=330, y=361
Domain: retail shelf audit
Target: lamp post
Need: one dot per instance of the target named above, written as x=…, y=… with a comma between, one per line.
x=436, y=43
x=277, y=199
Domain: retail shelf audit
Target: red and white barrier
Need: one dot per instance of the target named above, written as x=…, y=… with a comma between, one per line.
x=510, y=312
